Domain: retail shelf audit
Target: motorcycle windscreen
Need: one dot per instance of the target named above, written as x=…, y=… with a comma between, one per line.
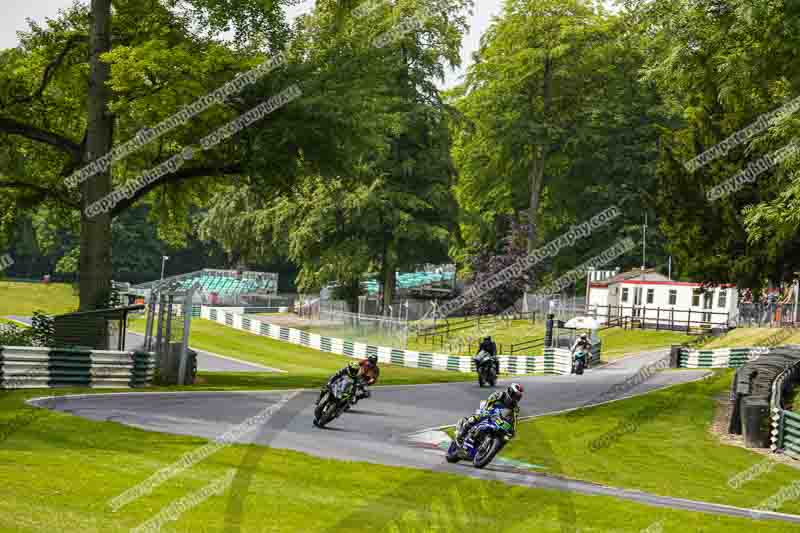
x=340, y=386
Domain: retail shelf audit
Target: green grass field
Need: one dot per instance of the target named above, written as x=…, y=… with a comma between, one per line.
x=665, y=448
x=618, y=342
x=59, y=473
x=306, y=367
x=22, y=299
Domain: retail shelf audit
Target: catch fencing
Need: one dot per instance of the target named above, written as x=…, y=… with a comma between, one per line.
x=26, y=367
x=554, y=360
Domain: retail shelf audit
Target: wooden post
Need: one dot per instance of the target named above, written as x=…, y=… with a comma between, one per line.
x=689, y=321
x=658, y=317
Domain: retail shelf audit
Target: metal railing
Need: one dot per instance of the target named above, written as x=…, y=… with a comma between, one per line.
x=445, y=334
x=695, y=321
x=762, y=314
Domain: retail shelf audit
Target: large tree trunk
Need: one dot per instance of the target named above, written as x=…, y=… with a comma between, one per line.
x=95, y=261
x=539, y=158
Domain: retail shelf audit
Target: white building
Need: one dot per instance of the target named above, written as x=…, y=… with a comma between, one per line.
x=660, y=302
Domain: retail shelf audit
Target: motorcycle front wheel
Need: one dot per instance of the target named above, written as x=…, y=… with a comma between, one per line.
x=325, y=411
x=452, y=453
x=487, y=449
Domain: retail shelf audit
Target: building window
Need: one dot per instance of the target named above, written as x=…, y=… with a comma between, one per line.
x=650, y=295
x=696, y=298
x=673, y=296
x=723, y=298
x=624, y=294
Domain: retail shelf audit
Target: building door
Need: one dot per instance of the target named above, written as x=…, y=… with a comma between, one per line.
x=637, y=302
x=708, y=299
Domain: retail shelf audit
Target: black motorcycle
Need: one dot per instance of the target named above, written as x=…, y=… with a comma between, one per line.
x=335, y=400
x=485, y=366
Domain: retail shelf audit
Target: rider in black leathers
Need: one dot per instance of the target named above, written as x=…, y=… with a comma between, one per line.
x=363, y=373
x=487, y=345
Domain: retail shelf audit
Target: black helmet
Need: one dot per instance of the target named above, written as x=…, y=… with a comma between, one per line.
x=373, y=359
x=487, y=339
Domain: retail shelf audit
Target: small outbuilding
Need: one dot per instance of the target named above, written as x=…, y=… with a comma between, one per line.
x=653, y=300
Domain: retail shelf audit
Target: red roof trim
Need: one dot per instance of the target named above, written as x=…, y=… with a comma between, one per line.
x=678, y=283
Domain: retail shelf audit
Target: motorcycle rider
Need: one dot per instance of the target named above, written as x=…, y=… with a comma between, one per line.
x=364, y=372
x=368, y=373
x=581, y=343
x=507, y=399
x=487, y=345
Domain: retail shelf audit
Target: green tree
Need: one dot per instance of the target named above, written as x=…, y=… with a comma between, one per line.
x=92, y=77
x=383, y=200
x=718, y=66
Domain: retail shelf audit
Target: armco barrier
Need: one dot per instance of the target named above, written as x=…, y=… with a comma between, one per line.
x=553, y=361
x=786, y=432
x=25, y=367
x=785, y=424
x=720, y=358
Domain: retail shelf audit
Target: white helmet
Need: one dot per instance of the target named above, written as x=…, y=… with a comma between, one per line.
x=515, y=390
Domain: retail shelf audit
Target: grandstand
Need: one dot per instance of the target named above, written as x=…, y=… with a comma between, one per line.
x=415, y=280
x=216, y=286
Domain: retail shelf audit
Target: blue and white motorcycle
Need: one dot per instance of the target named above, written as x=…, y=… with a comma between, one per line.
x=485, y=440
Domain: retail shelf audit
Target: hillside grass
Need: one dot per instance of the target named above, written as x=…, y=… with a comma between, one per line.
x=659, y=443
x=752, y=337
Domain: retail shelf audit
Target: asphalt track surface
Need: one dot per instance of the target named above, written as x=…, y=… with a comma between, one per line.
x=381, y=429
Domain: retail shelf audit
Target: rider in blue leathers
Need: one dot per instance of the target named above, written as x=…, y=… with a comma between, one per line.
x=508, y=399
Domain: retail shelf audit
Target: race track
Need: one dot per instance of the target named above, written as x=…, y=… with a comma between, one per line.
x=380, y=429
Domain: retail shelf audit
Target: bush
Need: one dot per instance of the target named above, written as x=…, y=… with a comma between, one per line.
x=13, y=335
x=42, y=332
x=43, y=329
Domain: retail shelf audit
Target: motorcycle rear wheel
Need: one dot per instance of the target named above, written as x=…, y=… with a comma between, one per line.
x=487, y=449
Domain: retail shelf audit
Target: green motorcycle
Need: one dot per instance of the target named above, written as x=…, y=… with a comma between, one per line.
x=579, y=362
